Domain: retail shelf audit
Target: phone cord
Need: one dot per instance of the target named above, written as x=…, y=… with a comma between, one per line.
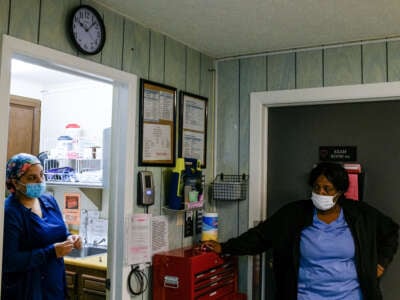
x=141, y=279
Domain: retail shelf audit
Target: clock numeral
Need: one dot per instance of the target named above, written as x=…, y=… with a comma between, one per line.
x=87, y=30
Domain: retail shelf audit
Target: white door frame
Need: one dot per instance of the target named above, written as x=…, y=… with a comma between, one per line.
x=260, y=102
x=122, y=161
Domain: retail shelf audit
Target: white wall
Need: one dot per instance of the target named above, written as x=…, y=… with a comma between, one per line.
x=88, y=105
x=26, y=89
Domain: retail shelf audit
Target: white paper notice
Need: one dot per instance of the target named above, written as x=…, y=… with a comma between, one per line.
x=160, y=234
x=193, y=145
x=151, y=111
x=194, y=117
x=158, y=105
x=97, y=231
x=139, y=239
x=156, y=142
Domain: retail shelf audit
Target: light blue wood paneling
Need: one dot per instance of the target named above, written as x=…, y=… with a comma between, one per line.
x=175, y=59
x=342, y=66
x=207, y=73
x=309, y=70
x=112, y=51
x=192, y=71
x=141, y=44
x=140, y=66
x=175, y=230
x=227, y=152
x=228, y=116
x=253, y=78
x=53, y=33
x=4, y=9
x=129, y=47
x=157, y=57
x=374, y=62
x=24, y=19
x=393, y=61
x=281, y=72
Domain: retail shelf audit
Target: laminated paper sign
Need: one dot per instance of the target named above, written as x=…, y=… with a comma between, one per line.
x=71, y=208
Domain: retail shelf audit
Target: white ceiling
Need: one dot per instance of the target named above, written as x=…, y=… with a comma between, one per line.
x=44, y=77
x=30, y=79
x=225, y=28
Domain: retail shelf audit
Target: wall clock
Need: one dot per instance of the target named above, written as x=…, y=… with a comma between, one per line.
x=87, y=29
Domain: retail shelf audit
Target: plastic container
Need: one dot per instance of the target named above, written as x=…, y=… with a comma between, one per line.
x=73, y=130
x=210, y=227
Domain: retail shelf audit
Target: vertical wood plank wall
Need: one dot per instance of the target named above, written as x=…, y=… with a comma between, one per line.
x=236, y=78
x=132, y=48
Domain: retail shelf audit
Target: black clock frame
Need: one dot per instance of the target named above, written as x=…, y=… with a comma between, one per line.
x=101, y=24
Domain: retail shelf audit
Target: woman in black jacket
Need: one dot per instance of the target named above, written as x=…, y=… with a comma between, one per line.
x=326, y=248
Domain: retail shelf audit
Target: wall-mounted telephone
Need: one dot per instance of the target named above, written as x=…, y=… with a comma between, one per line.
x=145, y=194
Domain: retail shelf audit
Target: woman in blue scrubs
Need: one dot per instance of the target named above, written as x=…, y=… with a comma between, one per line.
x=35, y=236
x=324, y=248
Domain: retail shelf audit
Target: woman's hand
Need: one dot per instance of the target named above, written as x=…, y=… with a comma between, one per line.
x=380, y=270
x=211, y=246
x=63, y=248
x=76, y=240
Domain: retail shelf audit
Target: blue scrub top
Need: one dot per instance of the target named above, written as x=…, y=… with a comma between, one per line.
x=327, y=262
x=31, y=269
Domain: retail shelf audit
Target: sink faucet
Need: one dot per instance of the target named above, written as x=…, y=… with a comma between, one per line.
x=96, y=243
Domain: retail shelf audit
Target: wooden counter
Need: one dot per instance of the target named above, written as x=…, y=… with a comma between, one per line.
x=98, y=262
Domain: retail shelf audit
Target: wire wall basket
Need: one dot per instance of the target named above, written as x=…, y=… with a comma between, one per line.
x=229, y=187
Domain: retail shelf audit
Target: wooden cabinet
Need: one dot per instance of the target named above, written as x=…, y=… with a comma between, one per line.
x=85, y=283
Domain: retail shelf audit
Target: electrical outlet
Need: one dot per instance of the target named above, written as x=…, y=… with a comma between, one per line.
x=199, y=221
x=188, y=223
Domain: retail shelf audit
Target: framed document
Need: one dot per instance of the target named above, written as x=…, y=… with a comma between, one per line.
x=193, y=127
x=157, y=121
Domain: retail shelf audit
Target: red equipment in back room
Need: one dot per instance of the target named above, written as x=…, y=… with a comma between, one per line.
x=189, y=273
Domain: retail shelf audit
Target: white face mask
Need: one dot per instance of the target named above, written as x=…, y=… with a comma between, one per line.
x=322, y=202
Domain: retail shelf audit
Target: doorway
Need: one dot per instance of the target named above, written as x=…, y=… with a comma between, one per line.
x=122, y=137
x=261, y=102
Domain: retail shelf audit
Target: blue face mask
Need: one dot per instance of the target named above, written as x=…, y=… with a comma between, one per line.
x=34, y=190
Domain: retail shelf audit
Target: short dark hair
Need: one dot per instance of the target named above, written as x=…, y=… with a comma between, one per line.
x=334, y=172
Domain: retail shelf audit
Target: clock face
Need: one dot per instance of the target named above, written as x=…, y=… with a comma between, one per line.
x=88, y=31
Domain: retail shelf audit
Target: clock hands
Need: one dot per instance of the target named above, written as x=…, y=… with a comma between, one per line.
x=82, y=24
x=91, y=25
x=87, y=29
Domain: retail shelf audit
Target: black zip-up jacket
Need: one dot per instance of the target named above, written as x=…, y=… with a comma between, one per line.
x=375, y=237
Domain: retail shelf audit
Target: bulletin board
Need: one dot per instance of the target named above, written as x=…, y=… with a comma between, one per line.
x=157, y=124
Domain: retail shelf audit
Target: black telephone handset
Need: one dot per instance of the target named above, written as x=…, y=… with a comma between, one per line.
x=145, y=194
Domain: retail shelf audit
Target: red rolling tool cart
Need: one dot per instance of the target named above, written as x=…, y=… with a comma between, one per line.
x=188, y=273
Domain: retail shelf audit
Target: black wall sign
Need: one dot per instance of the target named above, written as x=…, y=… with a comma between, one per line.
x=338, y=153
